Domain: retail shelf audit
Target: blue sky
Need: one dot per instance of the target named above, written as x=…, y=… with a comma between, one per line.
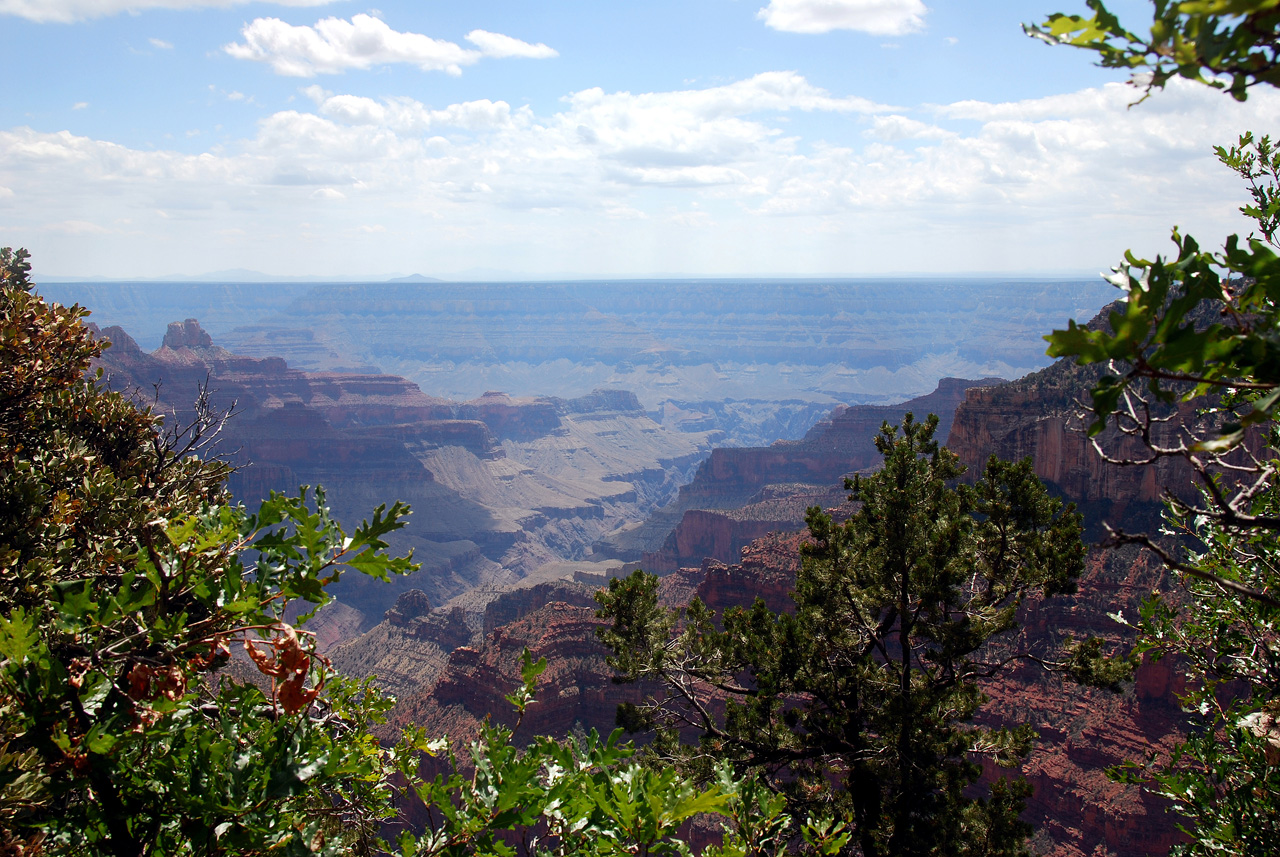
x=711, y=137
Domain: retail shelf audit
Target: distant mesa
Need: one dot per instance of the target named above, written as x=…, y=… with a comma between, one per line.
x=187, y=342
x=187, y=334
x=415, y=278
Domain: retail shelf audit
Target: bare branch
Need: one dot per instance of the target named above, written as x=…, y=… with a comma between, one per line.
x=1120, y=537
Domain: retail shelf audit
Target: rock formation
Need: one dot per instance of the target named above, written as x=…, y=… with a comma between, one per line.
x=753, y=358
x=499, y=485
x=1076, y=809
x=1038, y=416
x=739, y=494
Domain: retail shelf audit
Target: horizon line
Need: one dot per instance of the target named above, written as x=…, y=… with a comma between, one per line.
x=268, y=279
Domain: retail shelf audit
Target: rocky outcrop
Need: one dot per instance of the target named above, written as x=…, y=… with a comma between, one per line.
x=840, y=445
x=696, y=524
x=557, y=621
x=601, y=401
x=721, y=534
x=1040, y=416
x=499, y=486
x=767, y=571
x=575, y=692
x=515, y=419
x=411, y=605
x=186, y=334
x=513, y=605
x=1015, y=421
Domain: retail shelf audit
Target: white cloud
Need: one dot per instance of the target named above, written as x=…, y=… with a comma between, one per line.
x=878, y=17
x=1054, y=178
x=66, y=11
x=407, y=115
x=689, y=138
x=334, y=45
x=161, y=44
x=80, y=105
x=896, y=127
x=76, y=227
x=501, y=47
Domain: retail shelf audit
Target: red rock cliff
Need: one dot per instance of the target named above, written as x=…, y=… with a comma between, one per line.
x=842, y=444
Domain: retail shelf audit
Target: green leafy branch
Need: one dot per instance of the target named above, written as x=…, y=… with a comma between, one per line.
x=1199, y=40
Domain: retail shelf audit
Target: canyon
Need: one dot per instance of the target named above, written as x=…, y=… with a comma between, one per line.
x=1076, y=809
x=526, y=504
x=500, y=487
x=758, y=360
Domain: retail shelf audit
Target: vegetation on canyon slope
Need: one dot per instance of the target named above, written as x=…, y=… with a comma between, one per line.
x=859, y=704
x=1192, y=355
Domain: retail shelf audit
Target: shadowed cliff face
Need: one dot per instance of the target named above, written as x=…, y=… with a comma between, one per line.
x=499, y=485
x=741, y=494
x=1039, y=416
x=838, y=446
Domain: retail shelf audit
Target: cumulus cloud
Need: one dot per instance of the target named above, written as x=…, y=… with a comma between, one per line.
x=1076, y=171
x=334, y=45
x=407, y=115
x=896, y=127
x=66, y=11
x=877, y=17
x=696, y=137
x=686, y=138
x=499, y=46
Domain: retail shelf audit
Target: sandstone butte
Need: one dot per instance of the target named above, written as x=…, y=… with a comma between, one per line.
x=451, y=656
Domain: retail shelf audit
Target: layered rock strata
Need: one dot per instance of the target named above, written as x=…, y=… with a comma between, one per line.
x=739, y=494
x=499, y=485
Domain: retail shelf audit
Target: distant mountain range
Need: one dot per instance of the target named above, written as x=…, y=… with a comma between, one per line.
x=243, y=275
x=501, y=275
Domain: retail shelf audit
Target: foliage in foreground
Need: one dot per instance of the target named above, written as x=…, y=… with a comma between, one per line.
x=594, y=797
x=123, y=588
x=127, y=577
x=1192, y=355
x=1226, y=44
x=859, y=705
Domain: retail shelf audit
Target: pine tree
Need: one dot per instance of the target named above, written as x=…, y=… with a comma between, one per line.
x=860, y=703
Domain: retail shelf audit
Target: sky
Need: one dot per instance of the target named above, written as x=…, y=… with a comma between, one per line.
x=561, y=138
